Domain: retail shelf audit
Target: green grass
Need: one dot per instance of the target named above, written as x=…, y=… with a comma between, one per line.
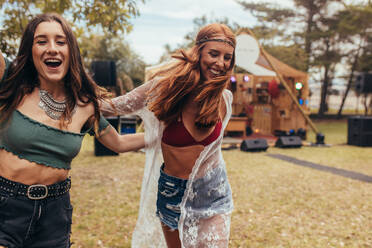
x=277, y=204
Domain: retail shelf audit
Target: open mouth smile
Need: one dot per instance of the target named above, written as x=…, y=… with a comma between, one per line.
x=216, y=73
x=52, y=63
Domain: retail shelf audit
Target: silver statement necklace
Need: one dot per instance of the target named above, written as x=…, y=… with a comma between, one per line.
x=53, y=108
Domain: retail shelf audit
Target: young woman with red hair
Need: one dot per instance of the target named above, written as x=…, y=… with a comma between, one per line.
x=185, y=108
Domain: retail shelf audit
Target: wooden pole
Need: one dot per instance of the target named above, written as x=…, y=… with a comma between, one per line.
x=289, y=90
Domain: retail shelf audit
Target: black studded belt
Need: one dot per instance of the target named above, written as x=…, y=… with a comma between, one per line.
x=35, y=191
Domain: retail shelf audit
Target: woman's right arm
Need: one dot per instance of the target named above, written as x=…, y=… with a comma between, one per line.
x=128, y=103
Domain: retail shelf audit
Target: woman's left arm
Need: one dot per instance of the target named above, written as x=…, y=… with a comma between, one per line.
x=128, y=103
x=110, y=138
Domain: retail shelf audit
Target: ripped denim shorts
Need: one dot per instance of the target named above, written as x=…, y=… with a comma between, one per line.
x=170, y=193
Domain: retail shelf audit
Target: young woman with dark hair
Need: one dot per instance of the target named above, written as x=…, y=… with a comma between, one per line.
x=185, y=108
x=47, y=104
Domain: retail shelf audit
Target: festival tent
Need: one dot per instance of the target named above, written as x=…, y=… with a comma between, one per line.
x=260, y=94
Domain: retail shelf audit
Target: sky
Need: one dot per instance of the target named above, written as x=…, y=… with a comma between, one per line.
x=164, y=22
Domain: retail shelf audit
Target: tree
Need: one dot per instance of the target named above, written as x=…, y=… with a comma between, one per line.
x=84, y=15
x=272, y=19
x=355, y=25
x=312, y=13
x=327, y=54
x=315, y=29
x=274, y=35
x=107, y=47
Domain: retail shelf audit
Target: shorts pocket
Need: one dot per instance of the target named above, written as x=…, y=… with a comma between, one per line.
x=4, y=208
x=68, y=212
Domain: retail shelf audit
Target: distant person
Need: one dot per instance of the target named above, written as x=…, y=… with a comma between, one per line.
x=47, y=104
x=186, y=108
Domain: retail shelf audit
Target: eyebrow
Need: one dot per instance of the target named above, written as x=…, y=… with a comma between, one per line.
x=214, y=50
x=45, y=36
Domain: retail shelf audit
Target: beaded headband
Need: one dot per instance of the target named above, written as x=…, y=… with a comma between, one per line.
x=214, y=39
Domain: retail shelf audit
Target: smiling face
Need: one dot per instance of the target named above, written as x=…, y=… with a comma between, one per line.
x=215, y=59
x=50, y=52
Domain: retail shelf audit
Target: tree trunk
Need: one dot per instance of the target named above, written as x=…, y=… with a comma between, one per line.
x=323, y=107
x=351, y=76
x=348, y=86
x=309, y=28
x=323, y=97
x=365, y=103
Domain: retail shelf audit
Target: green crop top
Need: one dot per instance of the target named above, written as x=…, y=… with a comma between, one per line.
x=36, y=142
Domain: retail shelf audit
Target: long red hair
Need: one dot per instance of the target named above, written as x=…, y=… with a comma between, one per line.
x=183, y=78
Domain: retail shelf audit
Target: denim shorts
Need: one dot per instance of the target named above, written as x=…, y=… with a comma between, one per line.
x=170, y=193
x=214, y=196
x=42, y=223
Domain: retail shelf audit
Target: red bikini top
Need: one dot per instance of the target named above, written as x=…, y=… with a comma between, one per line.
x=176, y=134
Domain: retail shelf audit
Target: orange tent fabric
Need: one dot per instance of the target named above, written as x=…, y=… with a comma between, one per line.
x=283, y=68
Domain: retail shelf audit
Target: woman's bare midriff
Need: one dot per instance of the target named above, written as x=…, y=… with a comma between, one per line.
x=20, y=170
x=179, y=161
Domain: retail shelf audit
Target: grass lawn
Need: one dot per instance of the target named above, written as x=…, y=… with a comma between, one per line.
x=277, y=203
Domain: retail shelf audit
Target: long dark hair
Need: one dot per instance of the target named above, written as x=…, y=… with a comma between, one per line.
x=23, y=76
x=182, y=78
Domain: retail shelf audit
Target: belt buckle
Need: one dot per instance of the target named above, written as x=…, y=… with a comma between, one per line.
x=37, y=197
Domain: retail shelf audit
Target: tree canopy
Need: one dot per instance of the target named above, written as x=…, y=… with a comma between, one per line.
x=100, y=15
x=98, y=25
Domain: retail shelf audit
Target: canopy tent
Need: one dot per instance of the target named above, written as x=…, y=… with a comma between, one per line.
x=283, y=111
x=249, y=57
x=284, y=69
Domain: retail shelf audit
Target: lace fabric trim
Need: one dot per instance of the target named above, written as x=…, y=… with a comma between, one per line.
x=211, y=227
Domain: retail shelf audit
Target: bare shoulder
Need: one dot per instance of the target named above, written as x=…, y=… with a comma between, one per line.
x=85, y=109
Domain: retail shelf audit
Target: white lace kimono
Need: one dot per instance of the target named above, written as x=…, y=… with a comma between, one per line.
x=198, y=227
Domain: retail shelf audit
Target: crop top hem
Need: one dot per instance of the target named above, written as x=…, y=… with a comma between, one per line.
x=33, y=160
x=48, y=127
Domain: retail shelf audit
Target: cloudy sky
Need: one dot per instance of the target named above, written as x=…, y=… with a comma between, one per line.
x=167, y=21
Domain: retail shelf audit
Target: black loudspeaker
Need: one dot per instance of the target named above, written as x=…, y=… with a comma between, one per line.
x=101, y=150
x=363, y=82
x=288, y=142
x=359, y=131
x=104, y=72
x=254, y=145
x=301, y=133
